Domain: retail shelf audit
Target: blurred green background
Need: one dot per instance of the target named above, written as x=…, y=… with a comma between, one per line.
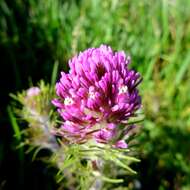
x=34, y=34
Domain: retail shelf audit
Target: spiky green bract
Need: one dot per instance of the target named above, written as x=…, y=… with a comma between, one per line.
x=36, y=110
x=87, y=164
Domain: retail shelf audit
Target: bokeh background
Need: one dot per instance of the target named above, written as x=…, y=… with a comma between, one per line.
x=36, y=34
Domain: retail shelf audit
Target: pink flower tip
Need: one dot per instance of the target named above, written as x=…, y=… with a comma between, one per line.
x=121, y=144
x=33, y=91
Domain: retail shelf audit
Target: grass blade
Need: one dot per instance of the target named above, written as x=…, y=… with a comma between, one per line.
x=54, y=73
x=183, y=69
x=14, y=124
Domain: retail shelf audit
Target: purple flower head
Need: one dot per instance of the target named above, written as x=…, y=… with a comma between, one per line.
x=97, y=94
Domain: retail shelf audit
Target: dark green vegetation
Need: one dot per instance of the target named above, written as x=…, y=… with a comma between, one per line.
x=156, y=33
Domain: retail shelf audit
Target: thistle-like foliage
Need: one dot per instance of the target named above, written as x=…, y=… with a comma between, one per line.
x=97, y=95
x=37, y=111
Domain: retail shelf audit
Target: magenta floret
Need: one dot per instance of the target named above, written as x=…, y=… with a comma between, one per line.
x=97, y=94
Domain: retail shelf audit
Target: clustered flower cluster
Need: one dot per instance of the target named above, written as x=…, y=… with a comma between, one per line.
x=97, y=95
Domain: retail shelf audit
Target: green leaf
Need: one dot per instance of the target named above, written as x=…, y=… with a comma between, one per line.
x=54, y=73
x=14, y=124
x=107, y=179
x=183, y=69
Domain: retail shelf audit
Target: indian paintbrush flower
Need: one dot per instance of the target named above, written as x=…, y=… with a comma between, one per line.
x=97, y=95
